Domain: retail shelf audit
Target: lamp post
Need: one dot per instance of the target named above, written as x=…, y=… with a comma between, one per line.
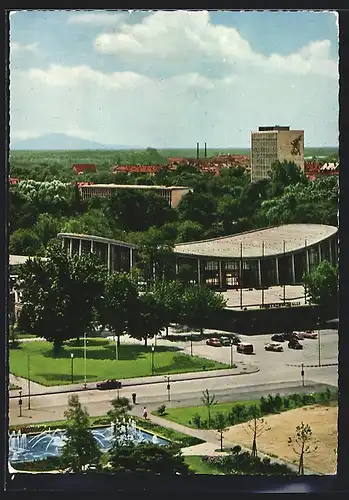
x=319, y=340
x=302, y=374
x=28, y=382
x=72, y=367
x=167, y=377
x=231, y=353
x=85, y=361
x=152, y=359
x=20, y=402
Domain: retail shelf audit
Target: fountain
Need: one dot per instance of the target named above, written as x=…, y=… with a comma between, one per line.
x=23, y=448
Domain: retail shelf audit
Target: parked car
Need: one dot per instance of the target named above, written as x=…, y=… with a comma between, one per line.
x=309, y=334
x=226, y=341
x=278, y=337
x=243, y=348
x=109, y=384
x=290, y=336
x=273, y=346
x=295, y=344
x=214, y=342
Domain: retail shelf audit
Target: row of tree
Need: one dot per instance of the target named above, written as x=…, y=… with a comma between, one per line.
x=218, y=206
x=63, y=297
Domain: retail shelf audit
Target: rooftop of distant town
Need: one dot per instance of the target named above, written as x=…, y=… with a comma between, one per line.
x=276, y=240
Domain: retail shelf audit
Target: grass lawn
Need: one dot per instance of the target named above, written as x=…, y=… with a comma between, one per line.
x=26, y=336
x=185, y=415
x=199, y=467
x=47, y=369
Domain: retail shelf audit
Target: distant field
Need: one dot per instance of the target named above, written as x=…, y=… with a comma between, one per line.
x=112, y=156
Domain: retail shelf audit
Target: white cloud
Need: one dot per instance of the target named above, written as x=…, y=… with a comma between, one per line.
x=190, y=36
x=101, y=18
x=129, y=108
x=18, y=47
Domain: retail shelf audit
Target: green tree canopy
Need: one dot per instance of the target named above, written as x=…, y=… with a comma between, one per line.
x=322, y=286
x=80, y=450
x=25, y=242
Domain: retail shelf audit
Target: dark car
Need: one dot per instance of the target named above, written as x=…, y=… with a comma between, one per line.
x=294, y=344
x=226, y=341
x=278, y=337
x=290, y=336
x=109, y=384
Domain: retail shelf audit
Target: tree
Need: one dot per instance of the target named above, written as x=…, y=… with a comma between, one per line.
x=120, y=300
x=146, y=457
x=256, y=427
x=60, y=295
x=200, y=305
x=322, y=286
x=47, y=227
x=80, y=450
x=169, y=294
x=209, y=401
x=188, y=230
x=25, y=242
x=148, y=318
x=283, y=174
x=120, y=408
x=220, y=425
x=197, y=207
x=301, y=444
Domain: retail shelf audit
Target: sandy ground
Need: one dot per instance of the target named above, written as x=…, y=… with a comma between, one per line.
x=323, y=422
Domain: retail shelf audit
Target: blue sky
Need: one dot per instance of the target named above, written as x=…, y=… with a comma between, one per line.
x=170, y=79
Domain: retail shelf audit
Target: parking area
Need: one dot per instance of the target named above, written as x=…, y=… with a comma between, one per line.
x=273, y=295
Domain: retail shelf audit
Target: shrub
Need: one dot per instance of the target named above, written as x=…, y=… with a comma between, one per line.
x=264, y=405
x=240, y=412
x=328, y=394
x=277, y=403
x=231, y=417
x=162, y=410
x=286, y=402
x=322, y=397
x=197, y=420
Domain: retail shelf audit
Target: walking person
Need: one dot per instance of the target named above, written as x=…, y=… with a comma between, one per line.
x=145, y=412
x=134, y=397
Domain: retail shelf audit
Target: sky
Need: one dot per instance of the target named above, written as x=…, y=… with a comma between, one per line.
x=173, y=78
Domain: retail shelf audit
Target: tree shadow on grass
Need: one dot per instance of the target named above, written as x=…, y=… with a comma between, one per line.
x=66, y=378
x=184, y=363
x=127, y=352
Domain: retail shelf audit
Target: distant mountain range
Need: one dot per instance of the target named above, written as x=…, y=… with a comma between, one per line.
x=64, y=142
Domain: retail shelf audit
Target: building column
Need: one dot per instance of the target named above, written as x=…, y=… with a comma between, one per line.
x=80, y=247
x=307, y=267
x=319, y=251
x=92, y=246
x=63, y=240
x=220, y=274
x=108, y=257
x=259, y=273
x=177, y=267
x=277, y=270
x=293, y=269
x=330, y=251
x=131, y=259
x=199, y=273
x=70, y=247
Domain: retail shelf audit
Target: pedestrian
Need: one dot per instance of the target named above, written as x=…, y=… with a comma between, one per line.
x=145, y=412
x=134, y=397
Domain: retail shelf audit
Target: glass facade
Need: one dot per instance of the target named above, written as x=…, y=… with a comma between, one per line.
x=285, y=270
x=75, y=246
x=313, y=257
x=300, y=264
x=85, y=246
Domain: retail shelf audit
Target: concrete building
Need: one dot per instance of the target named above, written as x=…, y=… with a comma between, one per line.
x=261, y=258
x=117, y=255
x=172, y=194
x=270, y=144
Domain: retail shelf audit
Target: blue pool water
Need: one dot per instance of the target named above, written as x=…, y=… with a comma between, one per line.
x=27, y=448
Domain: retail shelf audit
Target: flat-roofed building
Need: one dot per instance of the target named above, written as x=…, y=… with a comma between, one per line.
x=172, y=194
x=271, y=144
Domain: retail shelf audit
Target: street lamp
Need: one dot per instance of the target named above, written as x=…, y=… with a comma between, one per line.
x=85, y=361
x=167, y=377
x=28, y=382
x=231, y=353
x=72, y=367
x=20, y=402
x=319, y=341
x=152, y=359
x=302, y=374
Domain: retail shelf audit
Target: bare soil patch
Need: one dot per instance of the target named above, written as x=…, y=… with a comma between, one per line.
x=323, y=422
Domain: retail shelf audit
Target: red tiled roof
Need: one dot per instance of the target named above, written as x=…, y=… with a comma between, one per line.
x=83, y=167
x=146, y=169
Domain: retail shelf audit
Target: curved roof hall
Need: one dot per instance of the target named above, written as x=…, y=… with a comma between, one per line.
x=295, y=236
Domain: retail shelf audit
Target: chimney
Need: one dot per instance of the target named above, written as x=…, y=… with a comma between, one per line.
x=205, y=150
x=197, y=151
